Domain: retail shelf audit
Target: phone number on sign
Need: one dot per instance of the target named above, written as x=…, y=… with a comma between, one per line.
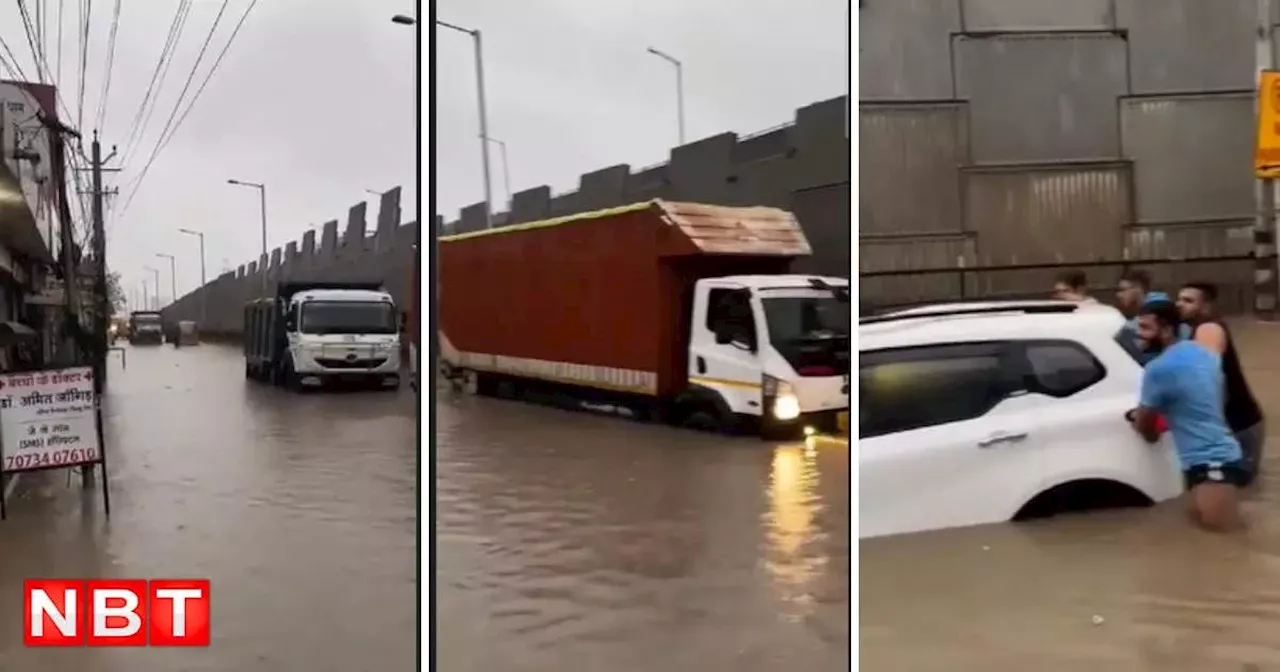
x=52, y=458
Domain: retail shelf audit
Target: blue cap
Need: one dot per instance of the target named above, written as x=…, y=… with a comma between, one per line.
x=1153, y=297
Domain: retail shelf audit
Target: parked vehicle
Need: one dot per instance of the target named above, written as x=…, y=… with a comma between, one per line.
x=676, y=312
x=988, y=412
x=311, y=334
x=146, y=327
x=186, y=334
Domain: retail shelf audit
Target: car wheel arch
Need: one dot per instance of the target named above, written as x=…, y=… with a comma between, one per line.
x=1048, y=488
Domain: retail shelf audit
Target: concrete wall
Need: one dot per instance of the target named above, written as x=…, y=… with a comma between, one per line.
x=356, y=253
x=1001, y=132
x=802, y=167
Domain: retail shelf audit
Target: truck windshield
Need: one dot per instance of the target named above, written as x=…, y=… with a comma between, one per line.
x=347, y=317
x=146, y=320
x=807, y=318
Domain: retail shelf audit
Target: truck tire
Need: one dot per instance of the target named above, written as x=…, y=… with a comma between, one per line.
x=705, y=420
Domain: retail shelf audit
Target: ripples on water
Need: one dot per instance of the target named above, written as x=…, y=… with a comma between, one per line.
x=1170, y=597
x=301, y=509
x=572, y=542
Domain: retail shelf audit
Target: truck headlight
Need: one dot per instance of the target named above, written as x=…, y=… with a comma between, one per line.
x=785, y=404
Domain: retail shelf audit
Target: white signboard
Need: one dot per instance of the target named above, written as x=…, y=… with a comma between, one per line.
x=48, y=419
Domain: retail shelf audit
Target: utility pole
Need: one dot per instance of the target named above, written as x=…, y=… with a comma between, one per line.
x=102, y=303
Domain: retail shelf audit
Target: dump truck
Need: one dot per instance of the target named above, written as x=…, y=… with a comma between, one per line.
x=311, y=334
x=675, y=312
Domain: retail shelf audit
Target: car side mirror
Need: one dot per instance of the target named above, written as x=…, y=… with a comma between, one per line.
x=290, y=323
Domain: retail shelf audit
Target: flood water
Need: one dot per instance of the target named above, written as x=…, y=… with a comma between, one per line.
x=301, y=510
x=1133, y=590
x=567, y=541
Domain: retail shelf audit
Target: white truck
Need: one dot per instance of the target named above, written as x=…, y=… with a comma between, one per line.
x=312, y=334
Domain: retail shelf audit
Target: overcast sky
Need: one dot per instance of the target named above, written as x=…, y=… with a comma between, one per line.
x=571, y=88
x=314, y=99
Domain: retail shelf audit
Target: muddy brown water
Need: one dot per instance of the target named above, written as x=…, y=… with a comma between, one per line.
x=567, y=541
x=301, y=510
x=1131, y=590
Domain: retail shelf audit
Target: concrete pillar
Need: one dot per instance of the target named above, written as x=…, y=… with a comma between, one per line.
x=353, y=237
x=388, y=219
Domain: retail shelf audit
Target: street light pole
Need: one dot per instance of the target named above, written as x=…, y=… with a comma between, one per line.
x=506, y=169
x=204, y=290
x=484, y=117
x=262, y=193
x=173, y=276
x=155, y=274
x=679, y=85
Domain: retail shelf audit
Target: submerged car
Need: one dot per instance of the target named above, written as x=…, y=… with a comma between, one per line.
x=986, y=412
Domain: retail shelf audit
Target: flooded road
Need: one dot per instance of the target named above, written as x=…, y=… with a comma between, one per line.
x=567, y=541
x=300, y=509
x=1165, y=596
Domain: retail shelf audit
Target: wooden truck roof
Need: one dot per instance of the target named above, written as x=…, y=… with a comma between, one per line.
x=711, y=229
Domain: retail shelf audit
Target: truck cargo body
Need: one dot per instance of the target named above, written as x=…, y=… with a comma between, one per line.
x=311, y=334
x=603, y=300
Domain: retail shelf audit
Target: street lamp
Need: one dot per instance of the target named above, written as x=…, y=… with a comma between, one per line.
x=155, y=274
x=506, y=169
x=173, y=276
x=204, y=291
x=679, y=85
x=484, y=117
x=262, y=193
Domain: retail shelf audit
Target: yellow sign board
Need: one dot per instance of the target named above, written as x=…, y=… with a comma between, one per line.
x=1266, y=153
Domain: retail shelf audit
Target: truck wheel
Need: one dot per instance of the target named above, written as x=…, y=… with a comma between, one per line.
x=704, y=421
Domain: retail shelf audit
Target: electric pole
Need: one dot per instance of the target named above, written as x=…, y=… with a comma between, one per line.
x=102, y=302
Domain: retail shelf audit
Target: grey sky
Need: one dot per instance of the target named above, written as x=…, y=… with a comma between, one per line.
x=571, y=89
x=314, y=99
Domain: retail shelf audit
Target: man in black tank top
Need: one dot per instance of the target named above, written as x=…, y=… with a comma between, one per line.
x=1197, y=302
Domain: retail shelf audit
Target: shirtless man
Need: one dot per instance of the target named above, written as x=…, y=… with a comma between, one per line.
x=1184, y=384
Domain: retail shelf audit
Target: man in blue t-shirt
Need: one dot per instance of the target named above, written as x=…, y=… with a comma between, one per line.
x=1184, y=384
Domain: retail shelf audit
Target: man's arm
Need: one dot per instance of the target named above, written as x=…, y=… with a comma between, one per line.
x=1212, y=336
x=1150, y=401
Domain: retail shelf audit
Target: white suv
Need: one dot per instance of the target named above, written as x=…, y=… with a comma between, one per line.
x=985, y=412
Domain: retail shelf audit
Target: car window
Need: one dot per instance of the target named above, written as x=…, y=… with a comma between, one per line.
x=912, y=388
x=1062, y=368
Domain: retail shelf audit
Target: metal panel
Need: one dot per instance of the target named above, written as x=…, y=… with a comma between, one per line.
x=1193, y=156
x=1190, y=241
x=1048, y=215
x=1011, y=15
x=904, y=49
x=825, y=216
x=1190, y=45
x=909, y=253
x=1043, y=97
x=908, y=168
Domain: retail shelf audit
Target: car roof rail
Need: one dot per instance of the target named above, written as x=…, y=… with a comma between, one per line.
x=1027, y=307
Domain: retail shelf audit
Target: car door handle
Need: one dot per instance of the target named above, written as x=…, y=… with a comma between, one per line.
x=1001, y=437
x=702, y=365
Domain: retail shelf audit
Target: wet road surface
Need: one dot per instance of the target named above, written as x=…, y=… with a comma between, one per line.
x=1168, y=597
x=300, y=509
x=570, y=542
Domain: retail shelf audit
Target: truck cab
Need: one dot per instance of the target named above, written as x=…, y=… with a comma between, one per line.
x=772, y=351
x=146, y=327
x=313, y=334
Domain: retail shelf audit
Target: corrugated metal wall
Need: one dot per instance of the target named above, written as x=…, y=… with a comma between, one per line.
x=1000, y=132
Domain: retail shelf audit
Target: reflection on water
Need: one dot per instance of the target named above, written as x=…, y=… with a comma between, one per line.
x=1132, y=590
x=572, y=542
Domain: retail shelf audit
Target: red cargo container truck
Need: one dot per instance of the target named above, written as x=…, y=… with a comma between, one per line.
x=674, y=311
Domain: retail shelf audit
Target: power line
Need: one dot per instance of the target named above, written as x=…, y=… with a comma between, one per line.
x=164, y=132
x=111, y=58
x=32, y=40
x=157, y=79
x=86, y=10
x=13, y=66
x=58, y=79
